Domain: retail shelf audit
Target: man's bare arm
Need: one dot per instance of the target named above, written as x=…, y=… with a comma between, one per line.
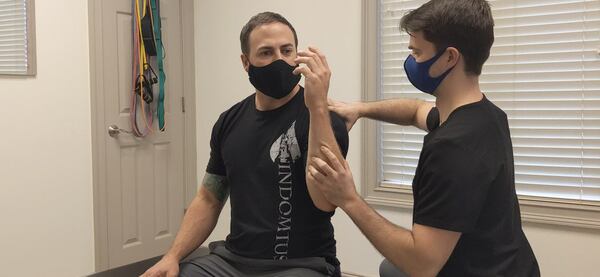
x=198, y=222
x=397, y=111
x=420, y=252
x=201, y=216
x=320, y=133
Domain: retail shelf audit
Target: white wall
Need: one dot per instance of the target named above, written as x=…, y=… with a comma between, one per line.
x=335, y=27
x=45, y=162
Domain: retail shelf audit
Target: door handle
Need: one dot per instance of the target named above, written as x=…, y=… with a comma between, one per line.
x=114, y=131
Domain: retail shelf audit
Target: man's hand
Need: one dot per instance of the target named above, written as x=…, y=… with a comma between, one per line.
x=166, y=267
x=350, y=112
x=317, y=76
x=334, y=180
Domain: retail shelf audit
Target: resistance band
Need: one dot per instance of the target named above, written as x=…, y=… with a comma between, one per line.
x=147, y=43
x=155, y=5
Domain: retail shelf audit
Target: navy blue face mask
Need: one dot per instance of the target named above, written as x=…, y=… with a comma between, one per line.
x=276, y=79
x=418, y=73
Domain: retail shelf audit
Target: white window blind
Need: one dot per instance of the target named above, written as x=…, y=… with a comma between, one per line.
x=544, y=72
x=14, y=38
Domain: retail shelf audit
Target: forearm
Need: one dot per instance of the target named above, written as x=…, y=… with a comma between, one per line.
x=395, y=243
x=198, y=222
x=396, y=111
x=321, y=134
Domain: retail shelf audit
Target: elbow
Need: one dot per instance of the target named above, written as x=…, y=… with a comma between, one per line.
x=318, y=199
x=424, y=269
x=417, y=267
x=422, y=273
x=324, y=206
x=206, y=200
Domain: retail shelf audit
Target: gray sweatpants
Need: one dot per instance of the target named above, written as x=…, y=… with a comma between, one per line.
x=223, y=263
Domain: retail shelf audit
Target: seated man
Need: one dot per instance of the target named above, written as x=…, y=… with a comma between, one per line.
x=259, y=148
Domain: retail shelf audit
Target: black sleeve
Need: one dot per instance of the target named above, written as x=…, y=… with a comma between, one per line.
x=433, y=119
x=215, y=163
x=452, y=188
x=341, y=133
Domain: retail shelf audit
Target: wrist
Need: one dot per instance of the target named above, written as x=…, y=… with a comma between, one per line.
x=351, y=203
x=320, y=108
x=172, y=256
x=361, y=109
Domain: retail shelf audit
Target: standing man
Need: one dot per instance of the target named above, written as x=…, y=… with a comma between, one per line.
x=466, y=218
x=259, y=148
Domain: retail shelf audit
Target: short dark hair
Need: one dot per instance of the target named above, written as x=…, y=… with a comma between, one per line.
x=467, y=25
x=258, y=20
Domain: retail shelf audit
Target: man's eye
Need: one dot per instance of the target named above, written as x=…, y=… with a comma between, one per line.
x=265, y=53
x=287, y=51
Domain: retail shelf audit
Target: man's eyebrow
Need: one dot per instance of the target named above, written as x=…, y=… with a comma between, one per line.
x=265, y=48
x=287, y=45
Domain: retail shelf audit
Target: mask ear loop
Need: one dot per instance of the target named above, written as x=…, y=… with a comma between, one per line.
x=435, y=59
x=458, y=58
x=249, y=64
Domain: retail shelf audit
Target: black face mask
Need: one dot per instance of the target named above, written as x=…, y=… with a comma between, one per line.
x=275, y=80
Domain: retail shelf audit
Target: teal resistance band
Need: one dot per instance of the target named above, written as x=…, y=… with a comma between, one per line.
x=159, y=58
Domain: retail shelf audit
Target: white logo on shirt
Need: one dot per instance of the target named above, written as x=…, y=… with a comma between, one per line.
x=284, y=152
x=286, y=146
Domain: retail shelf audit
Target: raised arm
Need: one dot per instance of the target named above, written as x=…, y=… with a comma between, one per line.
x=317, y=76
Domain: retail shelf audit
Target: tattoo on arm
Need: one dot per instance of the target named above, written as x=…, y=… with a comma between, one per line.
x=218, y=185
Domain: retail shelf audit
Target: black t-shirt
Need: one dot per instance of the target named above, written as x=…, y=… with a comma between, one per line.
x=464, y=182
x=263, y=156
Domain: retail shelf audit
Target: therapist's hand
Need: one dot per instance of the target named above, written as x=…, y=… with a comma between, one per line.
x=350, y=112
x=314, y=67
x=333, y=178
x=166, y=267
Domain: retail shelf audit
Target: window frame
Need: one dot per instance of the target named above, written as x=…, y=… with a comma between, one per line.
x=31, y=44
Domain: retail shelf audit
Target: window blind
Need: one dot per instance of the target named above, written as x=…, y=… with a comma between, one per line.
x=13, y=37
x=544, y=72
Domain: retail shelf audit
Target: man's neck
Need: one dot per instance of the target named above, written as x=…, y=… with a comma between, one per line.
x=460, y=93
x=266, y=103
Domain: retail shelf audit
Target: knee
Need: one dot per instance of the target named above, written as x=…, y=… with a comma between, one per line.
x=186, y=269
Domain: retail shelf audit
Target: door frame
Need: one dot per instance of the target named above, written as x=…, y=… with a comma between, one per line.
x=99, y=130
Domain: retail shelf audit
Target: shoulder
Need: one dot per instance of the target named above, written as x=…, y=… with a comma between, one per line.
x=228, y=118
x=235, y=111
x=475, y=128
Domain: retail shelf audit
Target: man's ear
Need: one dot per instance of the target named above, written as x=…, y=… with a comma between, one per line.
x=245, y=62
x=453, y=56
